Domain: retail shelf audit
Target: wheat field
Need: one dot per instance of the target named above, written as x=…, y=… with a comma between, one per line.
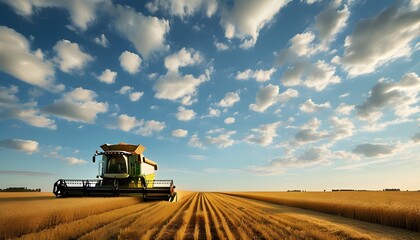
x=194, y=216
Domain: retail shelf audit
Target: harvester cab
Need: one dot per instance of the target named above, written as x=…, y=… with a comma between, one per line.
x=122, y=169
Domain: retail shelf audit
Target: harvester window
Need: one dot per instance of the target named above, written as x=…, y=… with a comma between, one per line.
x=116, y=164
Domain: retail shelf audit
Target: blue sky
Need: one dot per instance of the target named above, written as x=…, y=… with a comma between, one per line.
x=225, y=95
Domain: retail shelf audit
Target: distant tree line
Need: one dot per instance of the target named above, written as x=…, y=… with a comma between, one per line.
x=20, y=189
x=391, y=189
x=346, y=190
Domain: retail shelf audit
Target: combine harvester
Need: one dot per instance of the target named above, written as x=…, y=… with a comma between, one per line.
x=123, y=169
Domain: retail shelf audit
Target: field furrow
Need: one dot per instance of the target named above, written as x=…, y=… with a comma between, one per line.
x=197, y=216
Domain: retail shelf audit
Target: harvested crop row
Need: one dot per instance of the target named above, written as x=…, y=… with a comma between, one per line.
x=20, y=216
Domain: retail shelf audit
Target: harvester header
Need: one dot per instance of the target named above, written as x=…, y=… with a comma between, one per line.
x=123, y=169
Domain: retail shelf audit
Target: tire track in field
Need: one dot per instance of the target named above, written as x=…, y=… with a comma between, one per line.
x=170, y=230
x=245, y=223
x=152, y=222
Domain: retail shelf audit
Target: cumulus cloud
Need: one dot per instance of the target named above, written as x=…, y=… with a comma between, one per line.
x=70, y=57
x=74, y=161
x=331, y=21
x=142, y=127
x=264, y=134
x=229, y=120
x=401, y=96
x=266, y=97
x=185, y=57
x=221, y=46
x=179, y=133
x=82, y=13
x=78, y=105
x=229, y=100
x=309, y=106
x=184, y=114
x=183, y=8
x=127, y=123
x=222, y=140
x=130, y=62
x=17, y=59
x=173, y=85
x=395, y=27
x=150, y=127
x=28, y=146
x=196, y=142
x=107, y=76
x=309, y=132
x=260, y=75
x=27, y=112
x=134, y=96
x=102, y=40
x=287, y=95
x=344, y=109
x=146, y=33
x=310, y=157
x=317, y=75
x=213, y=113
x=373, y=150
x=245, y=19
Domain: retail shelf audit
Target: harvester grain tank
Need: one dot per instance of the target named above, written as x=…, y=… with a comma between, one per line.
x=123, y=169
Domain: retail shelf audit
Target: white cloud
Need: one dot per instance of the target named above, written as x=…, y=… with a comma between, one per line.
x=107, y=76
x=184, y=114
x=259, y=75
x=317, y=75
x=222, y=140
x=179, y=133
x=70, y=57
x=79, y=105
x=220, y=46
x=229, y=100
x=130, y=62
x=341, y=128
x=309, y=106
x=196, y=142
x=102, y=40
x=28, y=146
x=309, y=132
x=142, y=127
x=183, y=8
x=264, y=135
x=213, y=112
x=74, y=161
x=229, y=120
x=150, y=127
x=331, y=21
x=344, y=109
x=246, y=18
x=125, y=89
x=7, y=95
x=127, y=123
x=28, y=113
x=146, y=33
x=185, y=57
x=373, y=150
x=135, y=96
x=173, y=85
x=82, y=13
x=266, y=97
x=17, y=59
x=287, y=95
x=401, y=96
x=395, y=27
